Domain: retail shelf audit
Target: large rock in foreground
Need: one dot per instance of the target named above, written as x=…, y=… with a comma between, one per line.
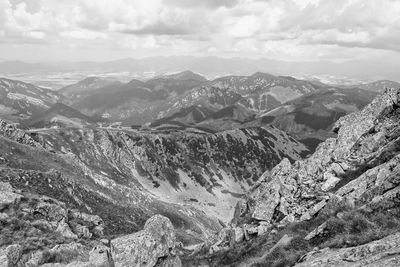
x=154, y=245
x=381, y=253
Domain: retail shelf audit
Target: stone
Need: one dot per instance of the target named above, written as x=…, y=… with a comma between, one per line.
x=338, y=169
x=3, y=217
x=64, y=229
x=267, y=195
x=81, y=231
x=100, y=256
x=3, y=257
x=330, y=181
x=240, y=211
x=317, y=231
x=51, y=211
x=7, y=196
x=35, y=259
x=14, y=254
x=251, y=230
x=155, y=244
x=239, y=234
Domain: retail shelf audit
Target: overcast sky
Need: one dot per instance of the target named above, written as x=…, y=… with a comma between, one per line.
x=295, y=30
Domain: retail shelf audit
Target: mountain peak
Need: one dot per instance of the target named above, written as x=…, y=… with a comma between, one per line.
x=263, y=75
x=186, y=75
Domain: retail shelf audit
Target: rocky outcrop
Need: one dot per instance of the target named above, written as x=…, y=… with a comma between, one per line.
x=74, y=238
x=12, y=132
x=360, y=166
x=380, y=253
x=7, y=196
x=153, y=246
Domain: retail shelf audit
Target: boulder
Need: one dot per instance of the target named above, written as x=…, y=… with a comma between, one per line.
x=11, y=255
x=7, y=196
x=316, y=232
x=330, y=181
x=53, y=212
x=154, y=245
x=239, y=234
x=64, y=229
x=263, y=229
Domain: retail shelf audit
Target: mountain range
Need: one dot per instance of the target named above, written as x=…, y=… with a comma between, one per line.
x=304, y=109
x=211, y=67
x=252, y=196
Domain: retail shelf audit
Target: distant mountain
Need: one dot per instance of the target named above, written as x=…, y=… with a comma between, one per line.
x=370, y=69
x=178, y=83
x=189, y=115
x=184, y=76
x=118, y=102
x=135, y=99
x=59, y=115
x=86, y=87
x=379, y=86
x=258, y=92
x=310, y=118
x=19, y=100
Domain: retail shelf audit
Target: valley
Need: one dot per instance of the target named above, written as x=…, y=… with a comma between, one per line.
x=194, y=150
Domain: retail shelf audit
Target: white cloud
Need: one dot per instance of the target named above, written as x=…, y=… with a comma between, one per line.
x=291, y=29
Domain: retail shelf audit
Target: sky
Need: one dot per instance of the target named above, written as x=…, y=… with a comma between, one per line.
x=290, y=30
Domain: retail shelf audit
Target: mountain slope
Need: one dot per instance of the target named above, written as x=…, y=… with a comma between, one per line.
x=208, y=171
x=176, y=83
x=258, y=92
x=19, y=100
x=127, y=176
x=379, y=86
x=60, y=115
x=311, y=117
x=136, y=100
x=139, y=102
x=86, y=87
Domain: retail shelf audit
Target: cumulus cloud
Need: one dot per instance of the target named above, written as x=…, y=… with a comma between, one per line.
x=291, y=29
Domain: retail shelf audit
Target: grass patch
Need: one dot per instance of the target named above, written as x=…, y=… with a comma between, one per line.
x=344, y=228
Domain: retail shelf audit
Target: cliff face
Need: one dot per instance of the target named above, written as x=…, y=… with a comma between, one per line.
x=338, y=207
x=361, y=165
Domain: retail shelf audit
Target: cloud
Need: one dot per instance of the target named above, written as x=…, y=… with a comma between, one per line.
x=159, y=28
x=289, y=29
x=201, y=3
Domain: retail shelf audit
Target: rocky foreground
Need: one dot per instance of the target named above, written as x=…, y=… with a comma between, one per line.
x=338, y=207
x=41, y=231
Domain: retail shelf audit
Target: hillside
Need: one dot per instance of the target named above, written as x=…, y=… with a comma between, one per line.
x=139, y=174
x=86, y=87
x=59, y=115
x=19, y=100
